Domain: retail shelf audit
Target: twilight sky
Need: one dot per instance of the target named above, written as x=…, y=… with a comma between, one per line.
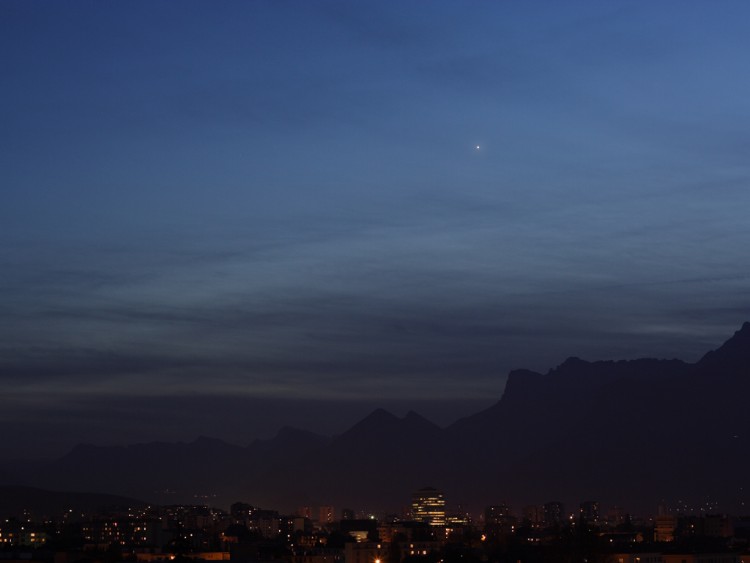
x=221, y=217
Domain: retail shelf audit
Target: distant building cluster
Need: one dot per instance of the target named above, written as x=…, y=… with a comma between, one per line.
x=425, y=532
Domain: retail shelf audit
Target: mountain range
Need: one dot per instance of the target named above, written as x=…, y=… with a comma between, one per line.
x=627, y=433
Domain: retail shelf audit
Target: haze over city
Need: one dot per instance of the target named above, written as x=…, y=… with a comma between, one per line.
x=224, y=218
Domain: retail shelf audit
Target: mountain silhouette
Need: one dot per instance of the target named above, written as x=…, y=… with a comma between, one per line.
x=732, y=358
x=629, y=433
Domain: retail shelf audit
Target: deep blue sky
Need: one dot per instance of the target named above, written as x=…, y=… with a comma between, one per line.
x=218, y=217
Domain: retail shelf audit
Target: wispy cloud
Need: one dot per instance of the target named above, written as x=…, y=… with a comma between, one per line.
x=289, y=202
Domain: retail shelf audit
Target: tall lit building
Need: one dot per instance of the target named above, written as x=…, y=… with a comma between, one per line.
x=534, y=513
x=428, y=505
x=347, y=514
x=497, y=514
x=589, y=511
x=554, y=513
x=325, y=515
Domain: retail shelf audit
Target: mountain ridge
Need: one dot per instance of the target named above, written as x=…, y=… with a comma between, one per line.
x=623, y=431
